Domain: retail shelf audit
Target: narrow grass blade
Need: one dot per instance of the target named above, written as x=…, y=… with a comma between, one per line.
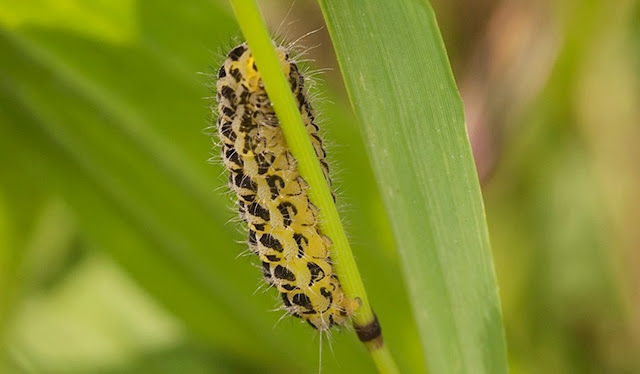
x=401, y=87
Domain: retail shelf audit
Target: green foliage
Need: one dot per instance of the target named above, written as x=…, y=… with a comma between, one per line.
x=118, y=250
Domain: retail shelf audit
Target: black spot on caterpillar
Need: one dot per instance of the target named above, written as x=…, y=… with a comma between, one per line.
x=272, y=197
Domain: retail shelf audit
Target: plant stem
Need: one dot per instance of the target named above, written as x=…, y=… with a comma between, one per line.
x=279, y=91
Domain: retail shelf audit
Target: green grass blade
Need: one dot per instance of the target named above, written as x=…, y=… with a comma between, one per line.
x=401, y=87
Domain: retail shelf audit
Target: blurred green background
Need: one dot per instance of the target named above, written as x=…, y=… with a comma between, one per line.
x=119, y=247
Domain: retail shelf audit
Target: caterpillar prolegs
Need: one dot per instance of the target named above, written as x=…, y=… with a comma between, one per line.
x=272, y=197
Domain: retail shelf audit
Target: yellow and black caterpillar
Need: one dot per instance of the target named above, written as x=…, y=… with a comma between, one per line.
x=272, y=197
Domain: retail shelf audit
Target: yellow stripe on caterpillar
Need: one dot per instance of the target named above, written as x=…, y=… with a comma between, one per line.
x=272, y=197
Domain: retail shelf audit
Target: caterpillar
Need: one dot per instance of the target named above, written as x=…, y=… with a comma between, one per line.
x=272, y=197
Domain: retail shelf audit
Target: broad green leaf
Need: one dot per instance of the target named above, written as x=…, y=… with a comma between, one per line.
x=401, y=87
